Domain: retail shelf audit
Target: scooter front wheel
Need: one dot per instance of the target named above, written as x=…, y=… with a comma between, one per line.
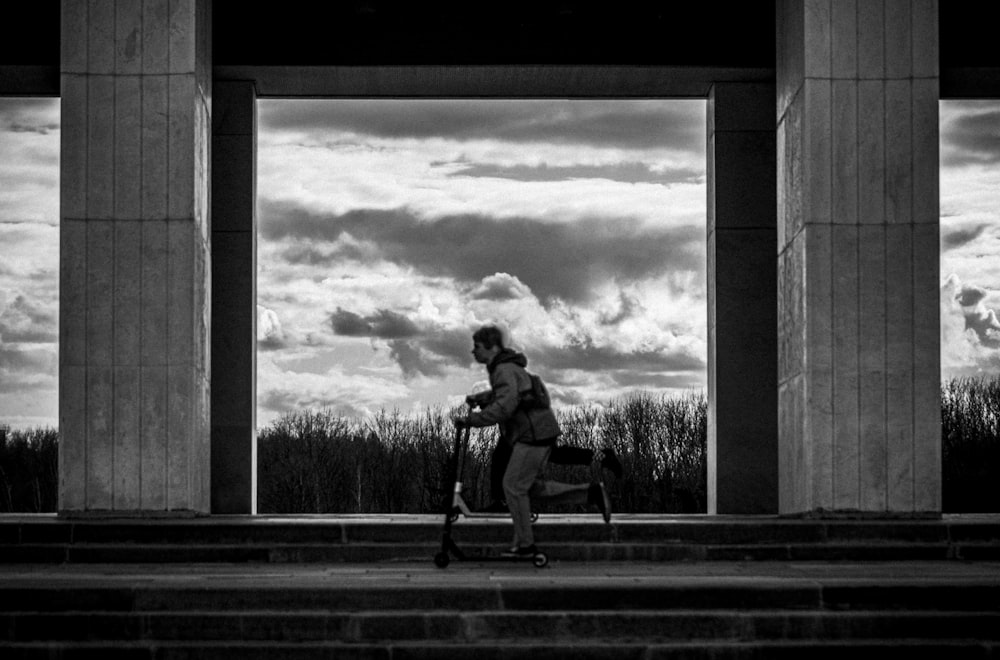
x=441, y=559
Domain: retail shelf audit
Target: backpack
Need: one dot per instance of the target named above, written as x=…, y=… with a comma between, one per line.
x=537, y=397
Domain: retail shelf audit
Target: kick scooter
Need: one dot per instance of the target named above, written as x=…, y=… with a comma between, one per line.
x=457, y=505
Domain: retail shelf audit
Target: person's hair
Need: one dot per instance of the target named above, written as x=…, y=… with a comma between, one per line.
x=489, y=336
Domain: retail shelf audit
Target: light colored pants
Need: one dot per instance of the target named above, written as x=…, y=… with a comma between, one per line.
x=522, y=483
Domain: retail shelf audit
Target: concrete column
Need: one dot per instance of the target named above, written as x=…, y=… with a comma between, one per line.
x=859, y=338
x=742, y=301
x=134, y=263
x=234, y=297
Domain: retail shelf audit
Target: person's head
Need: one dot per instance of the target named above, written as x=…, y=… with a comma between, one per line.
x=487, y=342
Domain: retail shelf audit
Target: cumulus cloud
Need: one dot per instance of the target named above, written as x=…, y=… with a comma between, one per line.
x=624, y=172
x=971, y=136
x=270, y=335
x=15, y=359
x=589, y=356
x=349, y=324
x=641, y=124
x=970, y=330
x=979, y=318
x=567, y=397
x=384, y=324
x=559, y=260
x=658, y=381
x=25, y=368
x=957, y=237
x=501, y=286
x=24, y=321
x=41, y=129
x=413, y=360
x=628, y=307
x=281, y=391
x=452, y=345
x=419, y=350
x=30, y=115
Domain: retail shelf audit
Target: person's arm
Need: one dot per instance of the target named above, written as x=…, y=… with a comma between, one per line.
x=505, y=399
x=480, y=399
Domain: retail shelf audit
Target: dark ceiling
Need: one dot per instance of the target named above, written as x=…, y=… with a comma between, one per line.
x=298, y=32
x=513, y=32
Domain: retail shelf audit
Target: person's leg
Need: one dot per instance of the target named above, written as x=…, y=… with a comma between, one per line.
x=567, y=455
x=557, y=492
x=498, y=467
x=523, y=470
x=609, y=461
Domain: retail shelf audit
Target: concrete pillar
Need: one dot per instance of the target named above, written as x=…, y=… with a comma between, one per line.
x=234, y=297
x=742, y=301
x=858, y=256
x=134, y=263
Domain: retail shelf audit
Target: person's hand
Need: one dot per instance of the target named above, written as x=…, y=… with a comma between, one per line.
x=460, y=422
x=479, y=399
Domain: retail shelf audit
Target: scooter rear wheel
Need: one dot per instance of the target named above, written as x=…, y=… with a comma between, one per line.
x=540, y=560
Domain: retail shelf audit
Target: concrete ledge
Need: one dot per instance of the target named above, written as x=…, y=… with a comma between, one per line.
x=596, y=627
x=724, y=591
x=602, y=610
x=575, y=538
x=533, y=649
x=118, y=514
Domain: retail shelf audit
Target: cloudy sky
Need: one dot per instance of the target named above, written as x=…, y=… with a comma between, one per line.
x=389, y=230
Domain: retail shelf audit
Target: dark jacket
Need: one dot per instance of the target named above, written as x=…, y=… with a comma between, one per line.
x=508, y=380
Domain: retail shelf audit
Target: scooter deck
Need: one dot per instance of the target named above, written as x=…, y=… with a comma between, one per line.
x=443, y=558
x=460, y=509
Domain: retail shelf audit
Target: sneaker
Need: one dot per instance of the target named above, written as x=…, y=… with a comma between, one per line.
x=609, y=461
x=495, y=507
x=598, y=497
x=517, y=551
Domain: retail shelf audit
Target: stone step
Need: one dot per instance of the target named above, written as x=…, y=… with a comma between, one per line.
x=958, y=595
x=122, y=553
x=566, y=538
x=529, y=650
x=702, y=530
x=568, y=610
x=602, y=626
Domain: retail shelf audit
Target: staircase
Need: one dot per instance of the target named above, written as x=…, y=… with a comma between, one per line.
x=567, y=538
x=685, y=587
x=514, y=611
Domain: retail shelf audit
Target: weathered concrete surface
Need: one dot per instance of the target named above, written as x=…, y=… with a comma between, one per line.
x=600, y=609
x=134, y=305
x=234, y=297
x=859, y=362
x=742, y=350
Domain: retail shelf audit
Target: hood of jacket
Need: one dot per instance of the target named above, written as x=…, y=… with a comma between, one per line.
x=507, y=355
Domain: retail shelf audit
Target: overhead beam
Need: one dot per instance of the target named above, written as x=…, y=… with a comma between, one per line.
x=488, y=81
x=493, y=81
